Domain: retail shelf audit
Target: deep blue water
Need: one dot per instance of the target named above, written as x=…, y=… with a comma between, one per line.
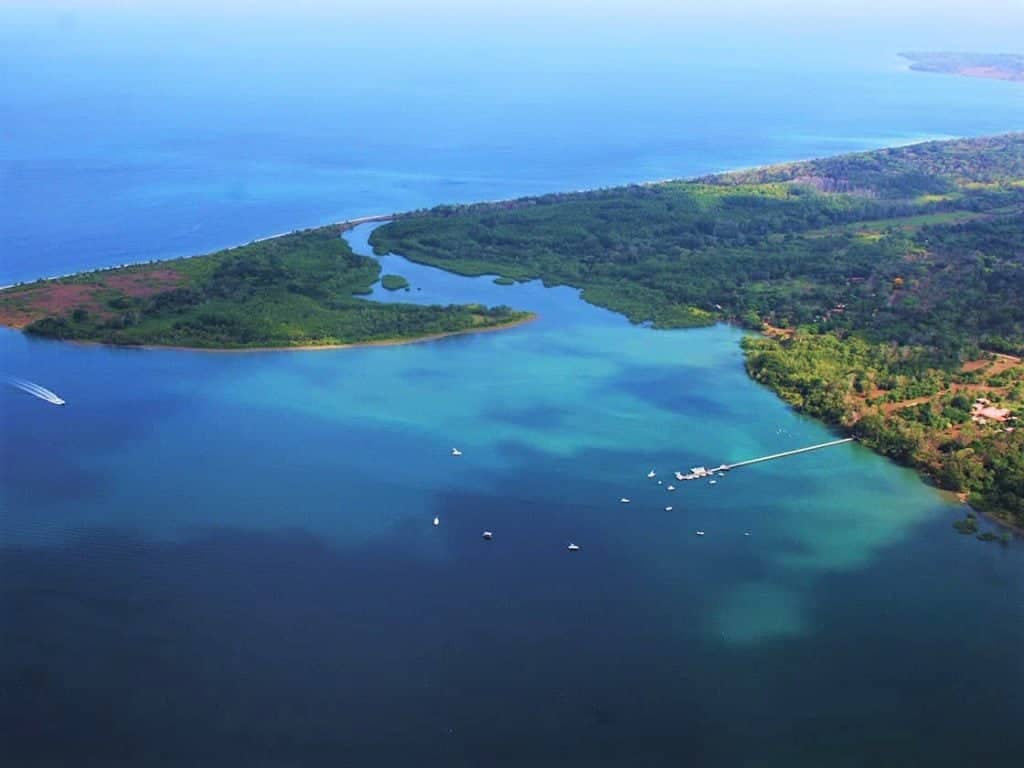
x=211, y=558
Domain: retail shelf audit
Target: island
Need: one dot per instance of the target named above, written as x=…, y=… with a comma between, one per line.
x=993, y=66
x=300, y=290
x=394, y=283
x=888, y=287
x=885, y=290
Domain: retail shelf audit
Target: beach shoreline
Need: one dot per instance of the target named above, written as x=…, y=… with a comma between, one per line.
x=532, y=317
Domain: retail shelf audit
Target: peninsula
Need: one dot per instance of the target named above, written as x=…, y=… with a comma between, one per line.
x=888, y=287
x=298, y=290
x=993, y=66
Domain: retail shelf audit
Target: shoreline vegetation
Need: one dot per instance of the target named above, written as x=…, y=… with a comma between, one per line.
x=989, y=66
x=300, y=290
x=528, y=317
x=888, y=287
x=394, y=283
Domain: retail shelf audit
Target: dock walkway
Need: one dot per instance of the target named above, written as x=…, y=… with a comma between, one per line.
x=784, y=454
x=701, y=472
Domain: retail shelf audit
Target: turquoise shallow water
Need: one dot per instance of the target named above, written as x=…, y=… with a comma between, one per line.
x=226, y=557
x=242, y=545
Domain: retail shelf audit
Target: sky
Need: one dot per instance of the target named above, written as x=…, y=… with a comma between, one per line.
x=954, y=8
x=977, y=13
x=991, y=25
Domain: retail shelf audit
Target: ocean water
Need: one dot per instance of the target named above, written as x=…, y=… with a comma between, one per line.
x=207, y=558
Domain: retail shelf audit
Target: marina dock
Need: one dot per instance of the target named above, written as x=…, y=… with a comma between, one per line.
x=697, y=473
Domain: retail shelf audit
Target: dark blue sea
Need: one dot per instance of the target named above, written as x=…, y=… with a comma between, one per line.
x=220, y=559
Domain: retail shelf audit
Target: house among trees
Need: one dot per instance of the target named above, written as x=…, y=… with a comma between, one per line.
x=983, y=412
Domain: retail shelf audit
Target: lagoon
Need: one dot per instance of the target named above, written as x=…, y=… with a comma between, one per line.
x=223, y=556
x=241, y=545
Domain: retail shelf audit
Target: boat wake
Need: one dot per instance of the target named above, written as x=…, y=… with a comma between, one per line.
x=35, y=390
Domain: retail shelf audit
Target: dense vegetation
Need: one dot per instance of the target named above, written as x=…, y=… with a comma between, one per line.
x=882, y=273
x=298, y=289
x=394, y=282
x=897, y=402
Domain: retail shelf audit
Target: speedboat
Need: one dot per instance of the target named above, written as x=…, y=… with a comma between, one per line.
x=573, y=547
x=624, y=500
x=668, y=509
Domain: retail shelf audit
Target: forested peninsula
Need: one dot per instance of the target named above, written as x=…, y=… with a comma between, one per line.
x=297, y=290
x=888, y=286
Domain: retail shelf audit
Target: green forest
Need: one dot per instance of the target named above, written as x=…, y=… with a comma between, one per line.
x=300, y=289
x=887, y=283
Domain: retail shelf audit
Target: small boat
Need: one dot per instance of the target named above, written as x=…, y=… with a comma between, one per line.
x=670, y=488
x=651, y=474
x=36, y=391
x=668, y=509
x=712, y=482
x=573, y=547
x=680, y=476
x=700, y=533
x=659, y=482
x=488, y=535
x=624, y=500
x=746, y=533
x=437, y=521
x=456, y=452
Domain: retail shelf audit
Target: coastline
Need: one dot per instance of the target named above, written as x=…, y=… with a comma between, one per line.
x=343, y=226
x=531, y=317
x=337, y=228
x=974, y=73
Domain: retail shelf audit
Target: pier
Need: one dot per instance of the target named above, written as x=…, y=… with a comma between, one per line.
x=697, y=473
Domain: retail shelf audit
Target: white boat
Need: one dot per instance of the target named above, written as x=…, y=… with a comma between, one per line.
x=670, y=488
x=700, y=533
x=573, y=547
x=624, y=500
x=680, y=476
x=651, y=474
x=437, y=521
x=668, y=509
x=456, y=452
x=488, y=535
x=712, y=482
x=36, y=391
x=746, y=533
